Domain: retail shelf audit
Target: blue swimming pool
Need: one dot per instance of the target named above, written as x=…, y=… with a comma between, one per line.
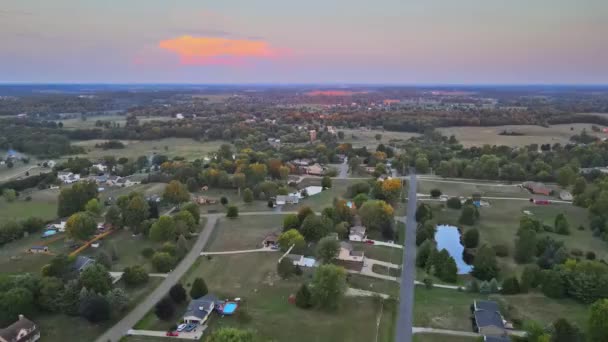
x=349, y=204
x=49, y=233
x=229, y=308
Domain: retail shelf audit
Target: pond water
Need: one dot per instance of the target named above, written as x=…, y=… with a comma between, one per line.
x=448, y=238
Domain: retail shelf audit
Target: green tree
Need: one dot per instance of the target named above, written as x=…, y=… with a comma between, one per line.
x=80, y=226
x=10, y=195
x=423, y=253
x=135, y=275
x=454, y=203
x=232, y=212
x=286, y=268
x=469, y=215
x=163, y=229
x=178, y=293
x=74, y=199
x=326, y=182
x=96, y=278
x=471, y=238
x=230, y=335
x=484, y=265
x=565, y=176
x=561, y=224
x=195, y=210
x=564, y=331
x=113, y=217
x=163, y=262
x=342, y=230
x=597, y=329
x=421, y=163
x=95, y=308
x=525, y=246
x=135, y=211
x=552, y=284
x=327, y=249
x=580, y=184
x=164, y=309
x=181, y=248
x=510, y=286
x=118, y=299
x=360, y=199
x=185, y=217
x=14, y=302
x=303, y=212
x=93, y=207
x=530, y=277
x=329, y=286
x=304, y=297
x=50, y=293
x=424, y=213
x=291, y=221
x=376, y=215
x=175, y=192
x=292, y=237
x=313, y=229
x=247, y=195
x=199, y=288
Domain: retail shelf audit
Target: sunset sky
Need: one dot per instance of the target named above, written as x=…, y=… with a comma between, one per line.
x=311, y=41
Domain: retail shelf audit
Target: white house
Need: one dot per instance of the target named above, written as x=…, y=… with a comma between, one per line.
x=68, y=177
x=100, y=167
x=300, y=260
x=287, y=199
x=60, y=227
x=179, y=116
x=357, y=233
x=51, y=164
x=347, y=253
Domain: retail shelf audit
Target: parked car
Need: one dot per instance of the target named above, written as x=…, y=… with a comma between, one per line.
x=369, y=242
x=181, y=327
x=190, y=327
x=172, y=333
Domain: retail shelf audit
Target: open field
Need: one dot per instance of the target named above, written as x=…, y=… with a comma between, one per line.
x=42, y=205
x=171, y=147
x=14, y=258
x=382, y=253
x=459, y=189
x=362, y=282
x=477, y=136
x=253, y=277
x=76, y=123
x=245, y=232
x=367, y=137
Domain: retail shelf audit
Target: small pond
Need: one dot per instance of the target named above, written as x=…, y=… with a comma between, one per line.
x=448, y=238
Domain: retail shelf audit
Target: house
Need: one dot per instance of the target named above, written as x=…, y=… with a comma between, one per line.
x=81, y=263
x=100, y=167
x=200, y=309
x=487, y=319
x=347, y=253
x=103, y=179
x=51, y=164
x=537, y=188
x=275, y=143
x=23, y=330
x=202, y=200
x=302, y=261
x=357, y=233
x=113, y=180
x=124, y=182
x=38, y=249
x=315, y=170
x=313, y=135
x=179, y=116
x=370, y=169
x=68, y=177
x=287, y=199
x=301, y=162
x=60, y=227
x=565, y=195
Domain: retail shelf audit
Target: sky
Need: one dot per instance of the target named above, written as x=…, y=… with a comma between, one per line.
x=310, y=41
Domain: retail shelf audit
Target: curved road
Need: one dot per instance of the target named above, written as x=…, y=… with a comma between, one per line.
x=119, y=329
x=408, y=274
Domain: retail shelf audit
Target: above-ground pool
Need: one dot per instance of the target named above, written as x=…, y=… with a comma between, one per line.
x=229, y=308
x=48, y=233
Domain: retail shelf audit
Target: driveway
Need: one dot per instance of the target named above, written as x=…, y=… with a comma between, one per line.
x=343, y=169
x=115, y=333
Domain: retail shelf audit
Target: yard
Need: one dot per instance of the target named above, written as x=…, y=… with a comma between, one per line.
x=245, y=232
x=457, y=189
x=43, y=204
x=15, y=259
x=382, y=253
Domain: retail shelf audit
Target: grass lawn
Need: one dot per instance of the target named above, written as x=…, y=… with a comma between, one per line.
x=466, y=190
x=42, y=205
x=14, y=259
x=78, y=123
x=362, y=282
x=367, y=137
x=382, y=253
x=245, y=232
x=393, y=272
x=253, y=277
x=443, y=338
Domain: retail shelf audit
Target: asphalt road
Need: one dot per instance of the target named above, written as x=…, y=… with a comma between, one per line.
x=120, y=329
x=408, y=275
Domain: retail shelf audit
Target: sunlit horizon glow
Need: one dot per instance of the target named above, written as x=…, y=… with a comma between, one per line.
x=277, y=41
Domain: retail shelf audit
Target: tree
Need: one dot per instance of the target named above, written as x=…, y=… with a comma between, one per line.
x=525, y=246
x=597, y=329
x=286, y=268
x=163, y=229
x=422, y=163
x=178, y=293
x=471, y=238
x=510, y=286
x=561, y=224
x=329, y=286
x=469, y=215
x=14, y=302
x=360, y=199
x=327, y=249
x=303, y=212
x=564, y=331
x=135, y=275
x=186, y=220
x=163, y=262
x=376, y=215
x=96, y=278
x=230, y=335
x=195, y=210
x=435, y=193
x=175, y=192
x=565, y=176
x=32, y=224
x=552, y=284
x=191, y=184
x=232, y=212
x=50, y=293
x=424, y=213
x=291, y=221
x=378, y=136
x=485, y=266
x=454, y=203
x=74, y=199
x=304, y=297
x=326, y=182
x=313, y=229
x=291, y=237
x=118, y=299
x=342, y=230
x=80, y=226
x=104, y=258
x=530, y=278
x=10, y=195
x=199, y=288
x=113, y=217
x=136, y=210
x=181, y=248
x=164, y=309
x=579, y=186
x=93, y=207
x=95, y=308
x=423, y=253
x=247, y=195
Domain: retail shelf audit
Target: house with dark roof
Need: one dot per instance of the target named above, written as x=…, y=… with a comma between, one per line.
x=23, y=330
x=200, y=309
x=487, y=319
x=81, y=263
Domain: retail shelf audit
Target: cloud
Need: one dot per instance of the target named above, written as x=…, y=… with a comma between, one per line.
x=218, y=51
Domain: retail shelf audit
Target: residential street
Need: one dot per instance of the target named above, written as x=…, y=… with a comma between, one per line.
x=408, y=273
x=115, y=333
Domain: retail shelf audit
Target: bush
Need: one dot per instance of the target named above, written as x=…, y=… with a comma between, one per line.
x=233, y=212
x=454, y=203
x=224, y=200
x=435, y=193
x=471, y=238
x=428, y=283
x=576, y=252
x=581, y=228
x=501, y=250
x=510, y=286
x=147, y=252
x=285, y=268
x=163, y=262
x=304, y=297
x=178, y=293
x=135, y=275
x=590, y=255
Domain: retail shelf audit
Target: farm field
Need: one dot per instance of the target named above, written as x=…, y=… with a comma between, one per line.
x=245, y=232
x=77, y=123
x=43, y=205
x=454, y=189
x=367, y=137
x=477, y=136
x=171, y=147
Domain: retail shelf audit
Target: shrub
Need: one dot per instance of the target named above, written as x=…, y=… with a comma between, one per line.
x=471, y=238
x=576, y=252
x=233, y=212
x=435, y=193
x=178, y=293
x=147, y=252
x=199, y=288
x=510, y=286
x=428, y=283
x=454, y=203
x=135, y=275
x=304, y=297
x=501, y=250
x=590, y=255
x=581, y=228
x=285, y=268
x=163, y=262
x=224, y=200
x=164, y=309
